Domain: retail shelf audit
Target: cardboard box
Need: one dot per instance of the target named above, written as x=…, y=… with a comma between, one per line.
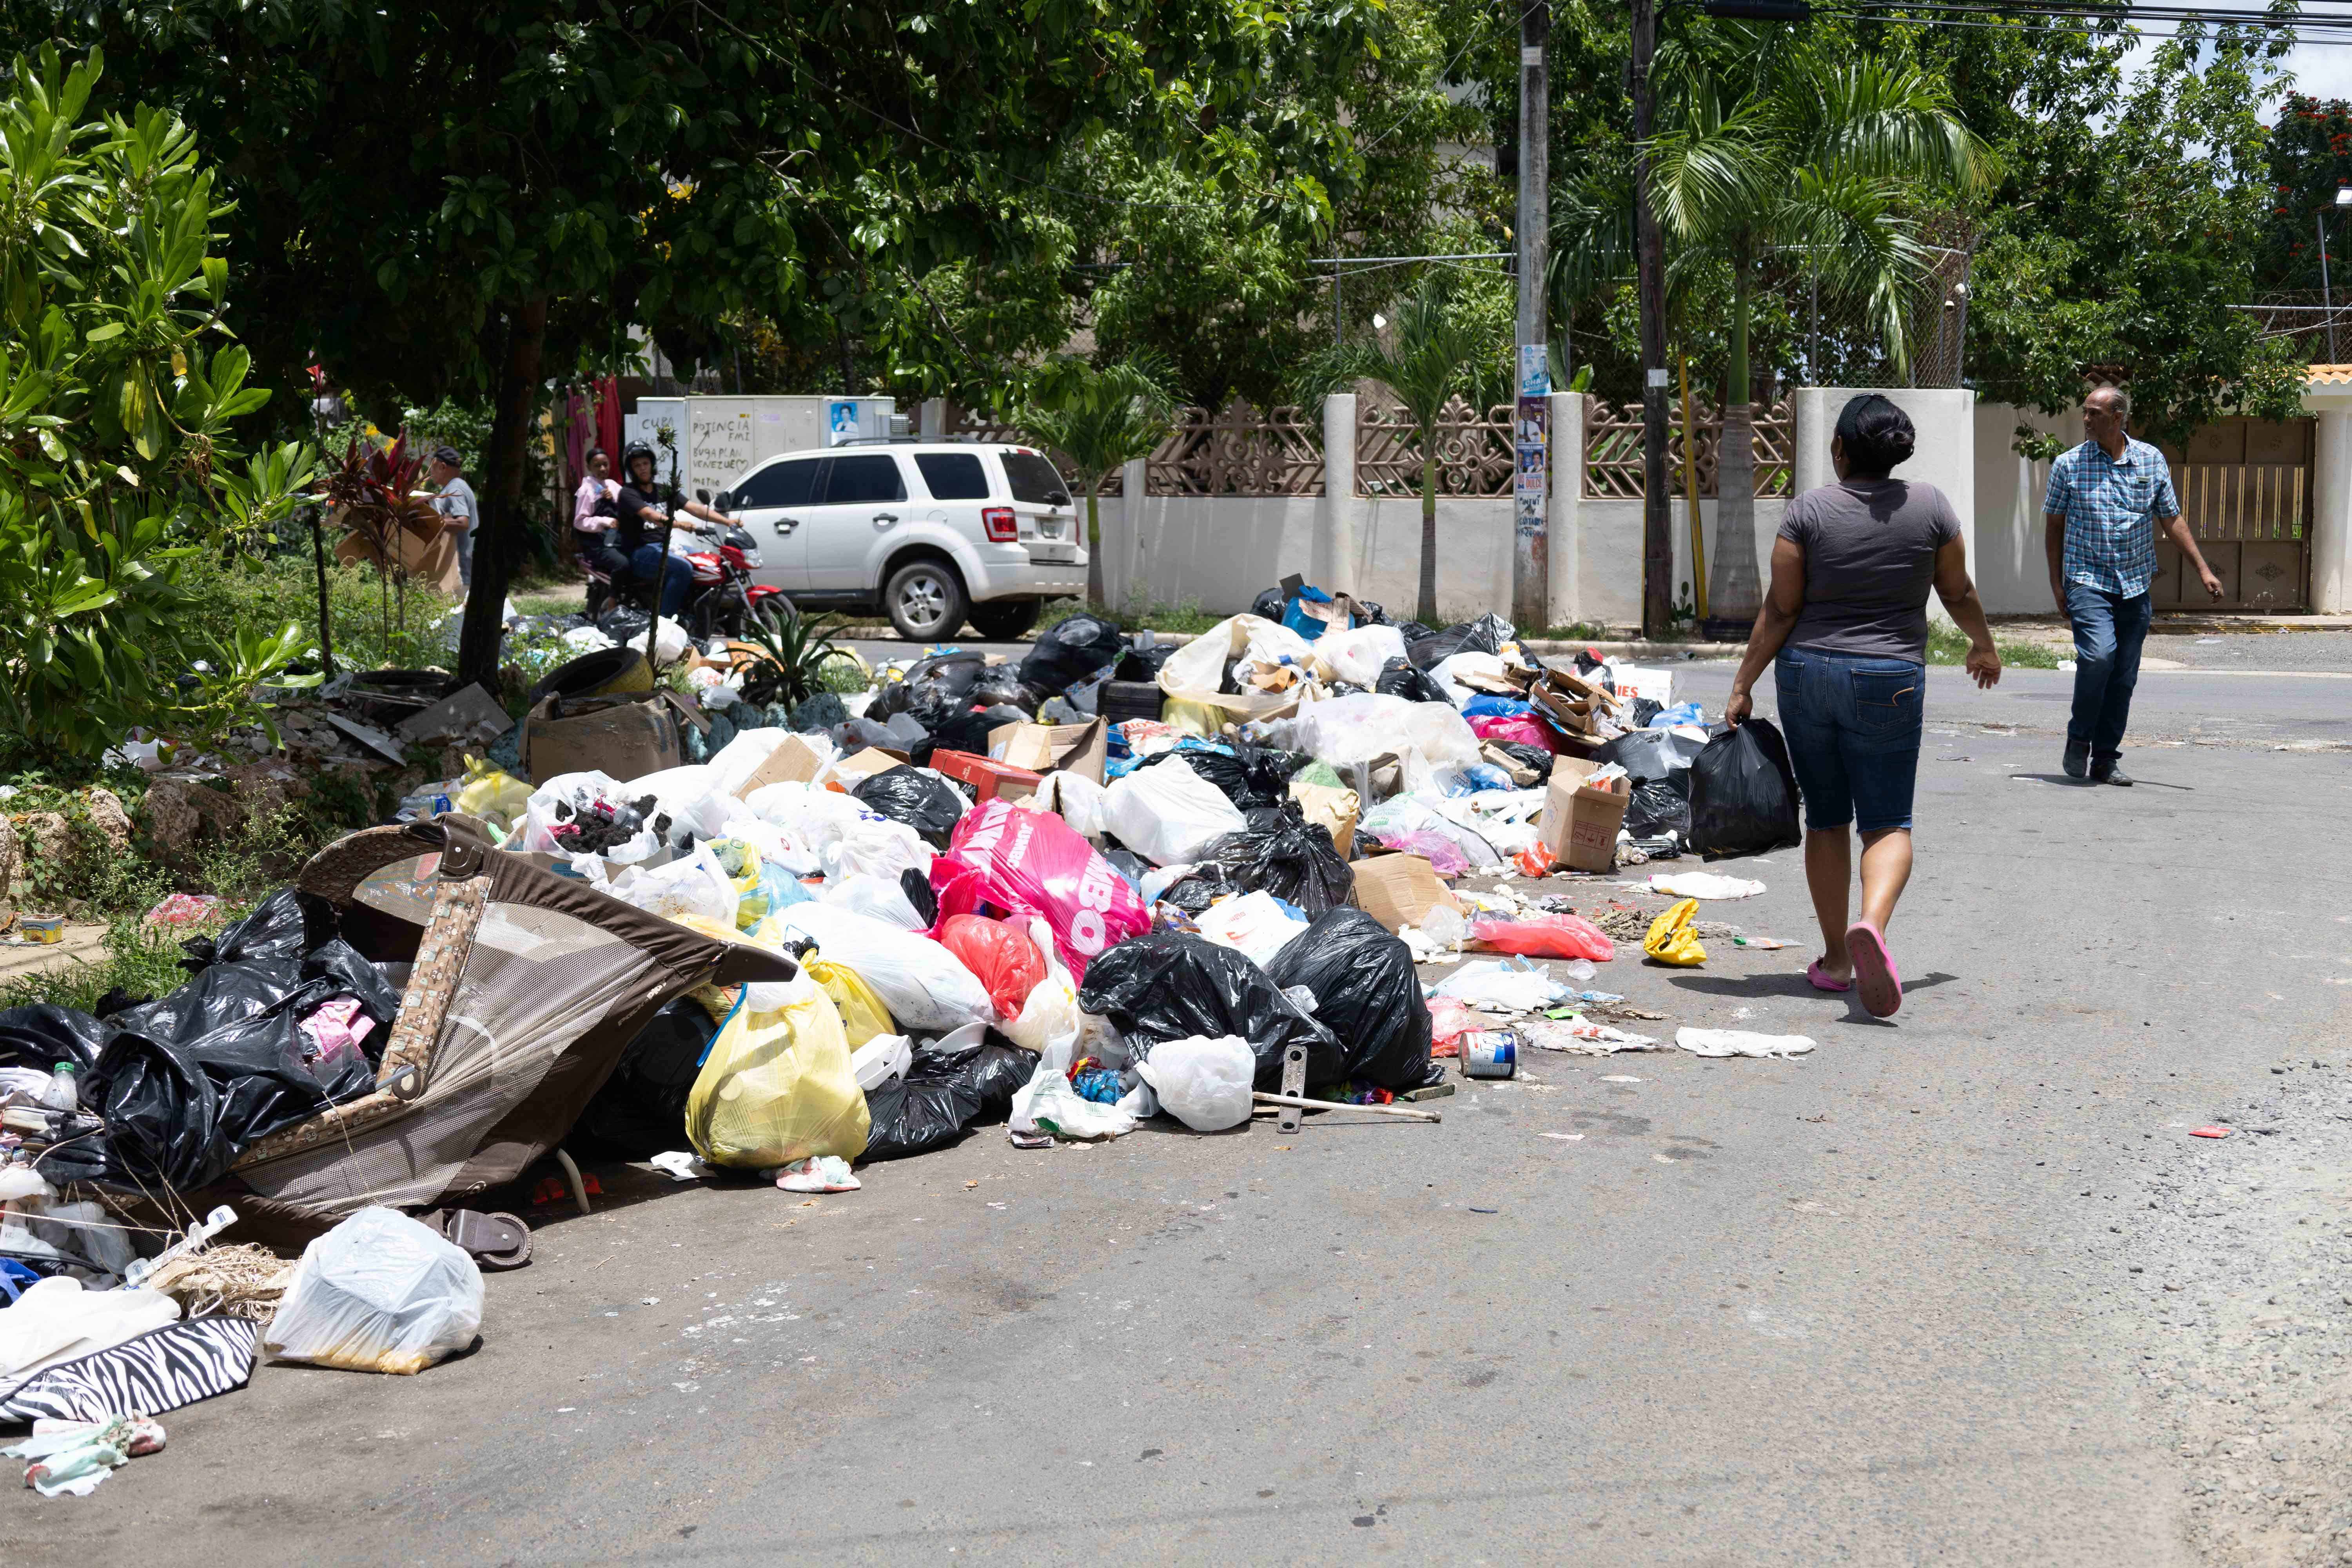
x=1580, y=822
x=1399, y=890
x=854, y=771
x=1569, y=700
x=623, y=737
x=991, y=779
x=797, y=761
x=1080, y=749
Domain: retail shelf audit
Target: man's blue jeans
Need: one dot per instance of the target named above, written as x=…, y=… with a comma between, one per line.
x=646, y=564
x=2109, y=630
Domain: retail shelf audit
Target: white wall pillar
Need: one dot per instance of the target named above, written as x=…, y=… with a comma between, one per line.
x=931, y=419
x=2331, y=507
x=1561, y=505
x=1335, y=562
x=1128, y=550
x=1945, y=456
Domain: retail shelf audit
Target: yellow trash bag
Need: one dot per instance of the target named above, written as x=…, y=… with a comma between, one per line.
x=863, y=1015
x=496, y=797
x=777, y=1086
x=1671, y=939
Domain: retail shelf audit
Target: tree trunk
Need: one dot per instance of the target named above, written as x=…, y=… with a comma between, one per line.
x=1424, y=609
x=1095, y=590
x=326, y=620
x=502, y=499
x=1735, y=592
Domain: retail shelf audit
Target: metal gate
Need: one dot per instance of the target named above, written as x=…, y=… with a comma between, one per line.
x=2245, y=489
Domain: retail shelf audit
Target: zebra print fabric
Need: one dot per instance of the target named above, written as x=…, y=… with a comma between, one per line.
x=159, y=1370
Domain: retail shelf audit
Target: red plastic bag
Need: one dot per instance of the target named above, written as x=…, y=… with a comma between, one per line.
x=1535, y=859
x=1007, y=962
x=1008, y=859
x=1543, y=936
x=1449, y=1020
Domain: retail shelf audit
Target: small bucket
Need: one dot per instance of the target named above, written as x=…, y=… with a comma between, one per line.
x=1490, y=1053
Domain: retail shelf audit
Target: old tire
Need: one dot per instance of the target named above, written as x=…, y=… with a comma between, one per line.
x=925, y=600
x=1003, y=620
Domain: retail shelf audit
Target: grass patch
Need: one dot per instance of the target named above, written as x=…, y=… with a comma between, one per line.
x=553, y=604
x=1948, y=644
x=1143, y=616
x=141, y=962
x=1576, y=631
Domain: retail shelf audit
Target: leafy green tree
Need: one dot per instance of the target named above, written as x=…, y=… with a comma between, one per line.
x=2310, y=152
x=1781, y=148
x=2131, y=244
x=1098, y=420
x=1438, y=350
x=118, y=388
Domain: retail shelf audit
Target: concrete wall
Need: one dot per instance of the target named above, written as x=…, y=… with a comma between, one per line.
x=1945, y=455
x=2011, y=570
x=1220, y=551
x=2331, y=498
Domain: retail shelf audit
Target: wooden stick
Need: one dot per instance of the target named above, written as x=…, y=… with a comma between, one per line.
x=1406, y=1111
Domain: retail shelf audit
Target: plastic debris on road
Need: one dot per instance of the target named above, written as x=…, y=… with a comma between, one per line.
x=1741, y=1043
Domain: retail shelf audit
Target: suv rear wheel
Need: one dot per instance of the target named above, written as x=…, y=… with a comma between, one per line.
x=1001, y=620
x=925, y=600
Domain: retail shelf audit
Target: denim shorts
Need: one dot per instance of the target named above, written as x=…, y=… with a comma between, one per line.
x=1853, y=724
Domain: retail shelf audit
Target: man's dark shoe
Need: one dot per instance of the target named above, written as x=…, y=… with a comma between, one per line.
x=2111, y=774
x=2078, y=759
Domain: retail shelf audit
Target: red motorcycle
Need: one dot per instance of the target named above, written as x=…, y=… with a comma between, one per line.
x=724, y=600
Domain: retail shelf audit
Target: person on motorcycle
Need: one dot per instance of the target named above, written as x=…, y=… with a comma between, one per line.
x=647, y=509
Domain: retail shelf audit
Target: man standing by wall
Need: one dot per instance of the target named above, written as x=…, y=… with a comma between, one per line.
x=2106, y=499
x=454, y=499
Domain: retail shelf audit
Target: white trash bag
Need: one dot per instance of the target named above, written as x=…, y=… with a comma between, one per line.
x=926, y=987
x=1202, y=1083
x=1168, y=813
x=380, y=1292
x=1254, y=925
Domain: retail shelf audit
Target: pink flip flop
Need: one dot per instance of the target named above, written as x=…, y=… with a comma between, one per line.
x=1875, y=973
x=1821, y=982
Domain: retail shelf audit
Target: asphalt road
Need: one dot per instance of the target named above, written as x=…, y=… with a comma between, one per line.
x=1878, y=1305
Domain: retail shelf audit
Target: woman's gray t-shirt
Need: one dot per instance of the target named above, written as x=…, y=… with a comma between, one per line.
x=1869, y=562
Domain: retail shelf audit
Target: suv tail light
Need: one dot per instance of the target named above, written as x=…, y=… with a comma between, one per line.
x=1003, y=527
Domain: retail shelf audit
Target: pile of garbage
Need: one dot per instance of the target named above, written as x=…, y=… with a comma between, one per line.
x=1120, y=879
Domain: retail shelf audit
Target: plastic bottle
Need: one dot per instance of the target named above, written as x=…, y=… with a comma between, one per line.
x=61, y=1094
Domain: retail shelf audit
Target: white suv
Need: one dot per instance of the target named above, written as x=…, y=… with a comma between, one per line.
x=930, y=530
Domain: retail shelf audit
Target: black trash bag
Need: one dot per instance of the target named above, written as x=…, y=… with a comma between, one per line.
x=1129, y=866
x=188, y=1081
x=1168, y=986
x=1253, y=776
x=969, y=731
x=1644, y=709
x=1270, y=604
x=1660, y=806
x=1143, y=663
x=998, y=687
x=1526, y=756
x=1366, y=993
x=1743, y=794
x=1068, y=652
x=924, y=802
x=1412, y=632
x=944, y=1094
x=1402, y=677
x=918, y=888
x=1650, y=756
x=938, y=683
x=40, y=1037
x=1488, y=634
x=1369, y=614
x=641, y=1109
x=1292, y=858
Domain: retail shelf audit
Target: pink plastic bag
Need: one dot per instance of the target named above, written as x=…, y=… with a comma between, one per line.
x=1543, y=936
x=1007, y=860
x=1449, y=1020
x=1518, y=731
x=1444, y=856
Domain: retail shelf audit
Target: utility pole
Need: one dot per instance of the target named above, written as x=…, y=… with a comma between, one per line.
x=1530, y=490
x=1657, y=523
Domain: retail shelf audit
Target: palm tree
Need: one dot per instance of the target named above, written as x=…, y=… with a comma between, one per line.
x=1779, y=147
x=1099, y=419
x=1438, y=355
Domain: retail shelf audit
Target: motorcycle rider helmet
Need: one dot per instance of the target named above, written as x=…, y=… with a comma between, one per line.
x=629, y=462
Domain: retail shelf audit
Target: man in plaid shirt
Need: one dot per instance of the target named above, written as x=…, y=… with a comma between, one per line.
x=2107, y=496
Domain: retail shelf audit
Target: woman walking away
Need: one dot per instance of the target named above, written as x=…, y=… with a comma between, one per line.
x=1847, y=616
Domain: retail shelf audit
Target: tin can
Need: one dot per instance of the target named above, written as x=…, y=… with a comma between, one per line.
x=44, y=928
x=1490, y=1053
